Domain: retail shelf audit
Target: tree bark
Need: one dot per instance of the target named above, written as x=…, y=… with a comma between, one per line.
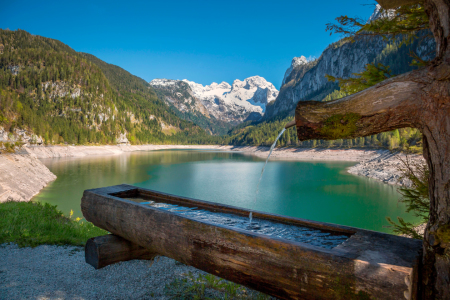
x=436, y=132
x=419, y=99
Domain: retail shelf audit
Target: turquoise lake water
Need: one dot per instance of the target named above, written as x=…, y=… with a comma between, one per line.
x=320, y=191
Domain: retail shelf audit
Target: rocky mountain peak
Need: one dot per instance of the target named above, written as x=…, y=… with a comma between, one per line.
x=307, y=81
x=215, y=85
x=234, y=103
x=296, y=61
x=380, y=13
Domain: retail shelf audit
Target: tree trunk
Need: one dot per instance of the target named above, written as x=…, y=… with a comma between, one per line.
x=419, y=99
x=436, y=133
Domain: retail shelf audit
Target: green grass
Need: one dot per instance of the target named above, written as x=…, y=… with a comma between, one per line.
x=31, y=224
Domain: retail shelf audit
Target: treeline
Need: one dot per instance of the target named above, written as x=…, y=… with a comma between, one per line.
x=264, y=134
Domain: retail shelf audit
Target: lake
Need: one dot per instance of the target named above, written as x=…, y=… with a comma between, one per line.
x=320, y=191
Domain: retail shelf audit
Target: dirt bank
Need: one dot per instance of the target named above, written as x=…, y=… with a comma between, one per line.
x=81, y=151
x=22, y=176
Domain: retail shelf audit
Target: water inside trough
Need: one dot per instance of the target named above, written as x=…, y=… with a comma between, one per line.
x=270, y=228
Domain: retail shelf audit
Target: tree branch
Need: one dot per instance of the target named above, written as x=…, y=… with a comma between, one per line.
x=391, y=104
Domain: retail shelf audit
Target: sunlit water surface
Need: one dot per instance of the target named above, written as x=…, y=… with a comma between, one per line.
x=320, y=191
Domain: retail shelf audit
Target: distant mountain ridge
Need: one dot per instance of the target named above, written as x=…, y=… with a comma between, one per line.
x=179, y=97
x=220, y=103
x=241, y=98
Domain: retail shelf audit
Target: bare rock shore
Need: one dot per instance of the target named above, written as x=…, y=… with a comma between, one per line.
x=386, y=167
x=300, y=154
x=382, y=165
x=22, y=176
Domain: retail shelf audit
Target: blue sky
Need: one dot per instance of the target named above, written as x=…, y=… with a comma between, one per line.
x=203, y=41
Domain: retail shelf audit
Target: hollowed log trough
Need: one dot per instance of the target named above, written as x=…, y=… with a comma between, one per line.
x=367, y=265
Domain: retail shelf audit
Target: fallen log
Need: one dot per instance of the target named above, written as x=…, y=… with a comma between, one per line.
x=105, y=250
x=364, y=265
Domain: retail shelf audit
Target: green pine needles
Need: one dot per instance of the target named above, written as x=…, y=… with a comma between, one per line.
x=416, y=198
x=405, y=21
x=405, y=25
x=371, y=75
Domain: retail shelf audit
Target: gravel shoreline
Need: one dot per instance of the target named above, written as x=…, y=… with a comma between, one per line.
x=386, y=167
x=56, y=272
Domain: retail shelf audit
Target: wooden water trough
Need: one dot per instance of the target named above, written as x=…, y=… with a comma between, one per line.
x=285, y=257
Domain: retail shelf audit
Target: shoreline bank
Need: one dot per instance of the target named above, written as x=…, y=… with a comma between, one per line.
x=23, y=175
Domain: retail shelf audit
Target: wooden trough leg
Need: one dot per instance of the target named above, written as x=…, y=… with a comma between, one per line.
x=105, y=250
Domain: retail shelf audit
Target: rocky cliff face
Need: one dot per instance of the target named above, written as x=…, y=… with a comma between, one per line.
x=306, y=80
x=19, y=135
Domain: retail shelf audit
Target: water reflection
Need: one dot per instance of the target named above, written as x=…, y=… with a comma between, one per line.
x=320, y=191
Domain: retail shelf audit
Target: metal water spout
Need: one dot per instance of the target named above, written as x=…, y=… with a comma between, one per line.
x=290, y=124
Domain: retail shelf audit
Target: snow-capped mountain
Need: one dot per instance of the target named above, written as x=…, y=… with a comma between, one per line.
x=220, y=102
x=234, y=103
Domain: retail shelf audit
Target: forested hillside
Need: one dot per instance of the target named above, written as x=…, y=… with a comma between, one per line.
x=68, y=97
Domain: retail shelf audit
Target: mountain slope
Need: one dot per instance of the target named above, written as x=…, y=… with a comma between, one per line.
x=307, y=81
x=68, y=97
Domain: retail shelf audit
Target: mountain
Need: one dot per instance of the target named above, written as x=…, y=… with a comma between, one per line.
x=179, y=96
x=299, y=64
x=217, y=107
x=235, y=103
x=49, y=90
x=306, y=80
